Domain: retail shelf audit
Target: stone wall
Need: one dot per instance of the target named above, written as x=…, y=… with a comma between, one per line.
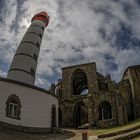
x=108, y=92
x=133, y=75
x=126, y=92
x=67, y=73
x=115, y=100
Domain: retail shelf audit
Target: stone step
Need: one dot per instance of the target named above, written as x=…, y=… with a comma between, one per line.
x=125, y=136
x=120, y=132
x=84, y=126
x=59, y=130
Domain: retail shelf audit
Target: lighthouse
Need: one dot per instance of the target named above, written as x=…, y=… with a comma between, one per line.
x=24, y=64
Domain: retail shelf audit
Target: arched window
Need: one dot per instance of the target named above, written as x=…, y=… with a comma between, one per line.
x=105, y=111
x=79, y=83
x=13, y=107
x=60, y=117
x=53, y=116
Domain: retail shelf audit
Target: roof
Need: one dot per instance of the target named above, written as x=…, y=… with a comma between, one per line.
x=27, y=85
x=134, y=67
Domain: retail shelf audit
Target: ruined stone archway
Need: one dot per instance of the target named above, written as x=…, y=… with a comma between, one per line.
x=80, y=115
x=79, y=82
x=105, y=110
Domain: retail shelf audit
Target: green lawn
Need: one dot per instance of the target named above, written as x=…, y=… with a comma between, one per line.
x=115, y=129
x=137, y=138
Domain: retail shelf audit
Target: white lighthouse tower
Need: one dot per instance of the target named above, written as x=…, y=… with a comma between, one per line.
x=23, y=66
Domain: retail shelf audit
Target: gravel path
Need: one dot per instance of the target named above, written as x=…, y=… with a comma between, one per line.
x=8, y=134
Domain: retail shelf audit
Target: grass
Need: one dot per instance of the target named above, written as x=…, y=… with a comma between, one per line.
x=115, y=129
x=137, y=138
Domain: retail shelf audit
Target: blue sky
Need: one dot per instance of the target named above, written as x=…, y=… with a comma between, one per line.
x=103, y=31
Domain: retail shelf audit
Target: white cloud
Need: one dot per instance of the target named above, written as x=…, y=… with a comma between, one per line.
x=2, y=74
x=73, y=35
x=124, y=59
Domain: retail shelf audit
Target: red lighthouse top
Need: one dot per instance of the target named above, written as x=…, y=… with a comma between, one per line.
x=43, y=16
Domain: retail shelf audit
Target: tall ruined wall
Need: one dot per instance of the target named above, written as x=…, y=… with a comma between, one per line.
x=126, y=92
x=133, y=75
x=101, y=91
x=67, y=73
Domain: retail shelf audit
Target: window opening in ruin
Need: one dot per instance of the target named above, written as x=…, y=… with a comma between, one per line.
x=60, y=117
x=84, y=92
x=79, y=83
x=105, y=111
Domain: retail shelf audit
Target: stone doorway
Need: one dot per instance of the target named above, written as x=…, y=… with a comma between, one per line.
x=105, y=111
x=53, y=116
x=60, y=117
x=80, y=115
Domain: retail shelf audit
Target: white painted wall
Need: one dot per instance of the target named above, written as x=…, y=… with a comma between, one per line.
x=23, y=62
x=35, y=105
x=28, y=48
x=38, y=22
x=36, y=29
x=25, y=77
x=32, y=38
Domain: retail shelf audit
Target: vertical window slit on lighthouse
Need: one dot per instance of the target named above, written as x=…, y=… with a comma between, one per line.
x=37, y=44
x=40, y=35
x=35, y=56
x=32, y=72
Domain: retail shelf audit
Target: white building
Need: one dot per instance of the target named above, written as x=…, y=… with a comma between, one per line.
x=24, y=106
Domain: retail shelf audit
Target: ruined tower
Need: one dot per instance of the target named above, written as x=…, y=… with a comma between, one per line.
x=23, y=66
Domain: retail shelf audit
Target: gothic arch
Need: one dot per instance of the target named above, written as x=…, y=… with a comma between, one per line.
x=79, y=82
x=53, y=116
x=105, y=110
x=80, y=114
